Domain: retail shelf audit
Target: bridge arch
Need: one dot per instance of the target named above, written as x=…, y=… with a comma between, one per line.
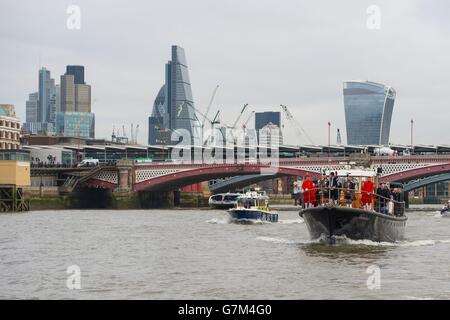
x=426, y=181
x=239, y=182
x=417, y=173
x=173, y=181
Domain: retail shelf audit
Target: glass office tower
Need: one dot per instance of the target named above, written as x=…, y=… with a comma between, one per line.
x=76, y=124
x=174, y=105
x=368, y=112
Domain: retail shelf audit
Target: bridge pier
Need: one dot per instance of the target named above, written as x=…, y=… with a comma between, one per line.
x=125, y=170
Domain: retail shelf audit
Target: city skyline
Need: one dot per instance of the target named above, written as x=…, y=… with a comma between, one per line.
x=313, y=39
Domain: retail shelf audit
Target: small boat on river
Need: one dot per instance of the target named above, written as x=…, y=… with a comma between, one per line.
x=445, y=211
x=253, y=206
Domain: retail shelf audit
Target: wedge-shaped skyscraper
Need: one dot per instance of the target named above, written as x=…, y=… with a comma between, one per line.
x=368, y=112
x=173, y=108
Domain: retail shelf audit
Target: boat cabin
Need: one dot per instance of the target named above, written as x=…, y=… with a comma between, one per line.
x=389, y=200
x=253, y=200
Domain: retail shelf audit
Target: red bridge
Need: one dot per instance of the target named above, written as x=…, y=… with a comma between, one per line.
x=127, y=175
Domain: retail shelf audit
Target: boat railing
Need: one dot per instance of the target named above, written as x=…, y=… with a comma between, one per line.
x=347, y=197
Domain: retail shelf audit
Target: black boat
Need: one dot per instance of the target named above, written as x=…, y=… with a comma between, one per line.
x=353, y=223
x=385, y=222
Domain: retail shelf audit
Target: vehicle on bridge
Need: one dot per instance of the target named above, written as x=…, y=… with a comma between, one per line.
x=357, y=213
x=384, y=151
x=223, y=200
x=253, y=206
x=89, y=163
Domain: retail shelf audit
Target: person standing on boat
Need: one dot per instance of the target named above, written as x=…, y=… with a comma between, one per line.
x=367, y=194
x=323, y=187
x=296, y=193
x=349, y=189
x=309, y=192
x=332, y=188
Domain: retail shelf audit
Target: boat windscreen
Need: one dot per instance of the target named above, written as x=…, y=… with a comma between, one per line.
x=230, y=197
x=217, y=197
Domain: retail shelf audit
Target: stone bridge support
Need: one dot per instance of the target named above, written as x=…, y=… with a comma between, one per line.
x=125, y=171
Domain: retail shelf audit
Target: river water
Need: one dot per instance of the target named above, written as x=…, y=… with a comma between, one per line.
x=198, y=254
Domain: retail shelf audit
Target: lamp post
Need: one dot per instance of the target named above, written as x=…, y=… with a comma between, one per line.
x=412, y=134
x=329, y=132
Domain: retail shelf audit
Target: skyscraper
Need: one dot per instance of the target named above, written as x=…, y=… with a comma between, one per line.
x=82, y=98
x=173, y=108
x=75, y=117
x=67, y=93
x=368, y=112
x=77, y=72
x=47, y=102
x=32, y=108
x=46, y=91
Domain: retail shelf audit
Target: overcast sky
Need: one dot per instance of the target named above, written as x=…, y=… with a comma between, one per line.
x=261, y=52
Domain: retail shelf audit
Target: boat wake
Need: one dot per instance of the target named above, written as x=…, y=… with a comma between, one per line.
x=345, y=241
x=292, y=221
x=415, y=243
x=218, y=221
x=238, y=221
x=277, y=240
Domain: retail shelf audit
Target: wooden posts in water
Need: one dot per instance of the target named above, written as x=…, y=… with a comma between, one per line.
x=12, y=199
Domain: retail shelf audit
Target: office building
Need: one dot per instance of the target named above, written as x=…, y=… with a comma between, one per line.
x=32, y=108
x=67, y=86
x=47, y=91
x=75, y=97
x=76, y=124
x=82, y=98
x=74, y=117
x=264, y=118
x=77, y=72
x=9, y=128
x=270, y=135
x=173, y=108
x=368, y=112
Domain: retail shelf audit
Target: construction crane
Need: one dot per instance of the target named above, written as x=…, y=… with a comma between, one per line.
x=239, y=116
x=209, y=106
x=216, y=119
x=202, y=114
x=297, y=124
x=244, y=125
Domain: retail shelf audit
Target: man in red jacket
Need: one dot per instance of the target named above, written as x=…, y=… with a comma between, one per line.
x=309, y=192
x=367, y=194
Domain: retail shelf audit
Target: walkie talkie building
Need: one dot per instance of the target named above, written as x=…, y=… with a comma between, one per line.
x=368, y=112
